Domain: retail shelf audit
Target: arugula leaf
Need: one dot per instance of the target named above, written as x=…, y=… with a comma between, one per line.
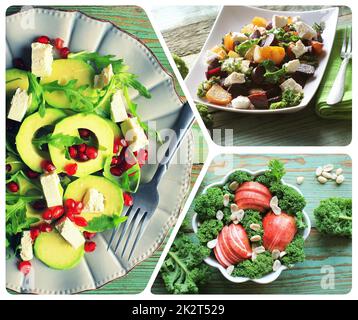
x=242, y=48
x=98, y=61
x=57, y=140
x=272, y=74
x=283, y=36
x=126, y=79
x=37, y=95
x=104, y=222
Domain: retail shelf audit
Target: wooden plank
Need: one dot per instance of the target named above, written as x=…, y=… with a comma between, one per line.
x=321, y=250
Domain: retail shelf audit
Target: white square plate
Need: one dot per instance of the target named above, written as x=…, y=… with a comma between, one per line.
x=233, y=18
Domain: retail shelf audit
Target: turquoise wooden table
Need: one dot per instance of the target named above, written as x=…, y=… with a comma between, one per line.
x=321, y=250
x=134, y=20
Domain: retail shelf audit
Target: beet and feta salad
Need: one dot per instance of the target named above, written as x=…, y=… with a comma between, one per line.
x=75, y=146
x=253, y=224
x=264, y=66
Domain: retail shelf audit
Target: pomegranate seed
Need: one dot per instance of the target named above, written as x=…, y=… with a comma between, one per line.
x=43, y=39
x=47, y=166
x=70, y=204
x=91, y=152
x=57, y=212
x=32, y=174
x=64, y=52
x=45, y=227
x=71, y=168
x=13, y=186
x=19, y=64
x=8, y=167
x=116, y=145
x=90, y=246
x=24, y=267
x=80, y=221
x=73, y=152
x=82, y=157
x=116, y=171
x=89, y=235
x=84, y=133
x=70, y=216
x=128, y=199
x=34, y=233
x=115, y=161
x=79, y=207
x=47, y=215
x=58, y=43
x=82, y=148
x=39, y=205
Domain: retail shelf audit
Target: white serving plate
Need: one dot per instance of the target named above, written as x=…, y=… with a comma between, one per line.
x=81, y=32
x=232, y=18
x=211, y=261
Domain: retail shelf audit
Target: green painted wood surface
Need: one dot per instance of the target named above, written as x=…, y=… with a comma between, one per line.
x=134, y=20
x=321, y=250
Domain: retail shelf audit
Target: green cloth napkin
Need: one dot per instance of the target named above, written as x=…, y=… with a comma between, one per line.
x=342, y=110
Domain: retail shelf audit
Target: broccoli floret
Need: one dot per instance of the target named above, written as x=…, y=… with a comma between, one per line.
x=300, y=221
x=206, y=205
x=180, y=63
x=261, y=266
x=250, y=217
x=294, y=251
x=334, y=216
x=183, y=269
x=205, y=115
x=209, y=230
x=273, y=175
x=206, y=85
x=292, y=98
x=227, y=215
x=289, y=199
x=240, y=177
x=278, y=105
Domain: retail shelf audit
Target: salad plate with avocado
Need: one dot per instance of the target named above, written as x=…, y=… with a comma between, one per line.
x=77, y=141
x=261, y=61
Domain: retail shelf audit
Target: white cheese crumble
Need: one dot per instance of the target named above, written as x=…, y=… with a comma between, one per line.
x=50, y=183
x=238, y=36
x=101, y=80
x=26, y=252
x=19, y=104
x=241, y=102
x=233, y=78
x=135, y=135
x=279, y=21
x=93, y=201
x=70, y=232
x=291, y=84
x=299, y=49
x=42, y=59
x=305, y=31
x=118, y=107
x=292, y=66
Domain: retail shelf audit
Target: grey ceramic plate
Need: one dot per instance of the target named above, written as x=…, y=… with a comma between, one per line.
x=81, y=32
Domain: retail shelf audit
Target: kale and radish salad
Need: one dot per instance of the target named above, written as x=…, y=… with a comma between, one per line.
x=264, y=66
x=75, y=146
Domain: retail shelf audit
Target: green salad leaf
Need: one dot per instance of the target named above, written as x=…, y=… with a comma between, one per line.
x=57, y=140
x=245, y=46
x=273, y=74
x=104, y=222
x=37, y=95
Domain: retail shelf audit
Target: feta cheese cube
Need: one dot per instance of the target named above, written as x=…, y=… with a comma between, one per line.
x=26, y=252
x=291, y=84
x=295, y=19
x=211, y=56
x=279, y=21
x=101, y=80
x=19, y=104
x=50, y=183
x=305, y=31
x=238, y=36
x=292, y=66
x=118, y=107
x=234, y=77
x=93, y=201
x=70, y=232
x=134, y=134
x=241, y=102
x=299, y=49
x=42, y=59
x=245, y=66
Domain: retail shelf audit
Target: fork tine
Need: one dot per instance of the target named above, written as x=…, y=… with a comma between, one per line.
x=344, y=44
x=349, y=48
x=116, y=230
x=142, y=228
x=127, y=224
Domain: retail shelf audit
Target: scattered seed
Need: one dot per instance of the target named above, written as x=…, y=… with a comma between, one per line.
x=219, y=215
x=255, y=238
x=275, y=254
x=233, y=217
x=339, y=171
x=322, y=179
x=319, y=171
x=240, y=215
x=212, y=243
x=234, y=208
x=328, y=167
x=276, y=210
x=253, y=256
x=340, y=179
x=276, y=265
x=327, y=175
x=334, y=176
x=255, y=226
x=274, y=201
x=226, y=200
x=230, y=269
x=300, y=180
x=233, y=186
x=282, y=254
x=260, y=249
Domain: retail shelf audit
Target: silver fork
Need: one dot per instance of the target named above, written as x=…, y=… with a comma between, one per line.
x=337, y=90
x=146, y=199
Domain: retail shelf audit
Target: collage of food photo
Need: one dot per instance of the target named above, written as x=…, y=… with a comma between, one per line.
x=117, y=121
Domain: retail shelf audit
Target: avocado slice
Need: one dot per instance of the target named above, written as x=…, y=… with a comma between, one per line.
x=64, y=70
x=15, y=163
x=54, y=251
x=70, y=126
x=30, y=154
x=116, y=132
x=113, y=195
x=15, y=78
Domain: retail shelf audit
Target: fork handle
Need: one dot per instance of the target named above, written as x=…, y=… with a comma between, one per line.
x=337, y=90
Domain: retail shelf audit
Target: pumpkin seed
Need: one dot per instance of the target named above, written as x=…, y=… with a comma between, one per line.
x=219, y=215
x=255, y=238
x=328, y=167
x=260, y=249
x=212, y=243
x=255, y=226
x=226, y=200
x=275, y=254
x=339, y=171
x=322, y=179
x=233, y=186
x=319, y=171
x=234, y=208
x=230, y=269
x=282, y=254
x=327, y=175
x=300, y=180
x=276, y=265
x=274, y=201
x=340, y=179
x=276, y=210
